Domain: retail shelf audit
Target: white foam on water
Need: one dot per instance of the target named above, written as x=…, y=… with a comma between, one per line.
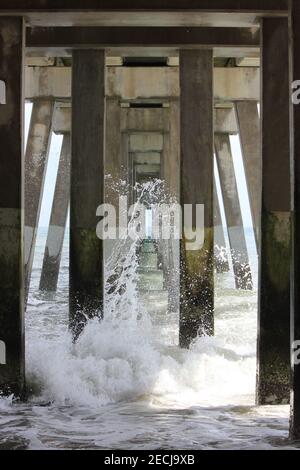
x=126, y=384
x=122, y=358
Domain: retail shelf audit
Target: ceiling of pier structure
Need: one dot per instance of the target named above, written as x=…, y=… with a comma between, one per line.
x=218, y=13
x=146, y=41
x=149, y=19
x=143, y=42
x=53, y=20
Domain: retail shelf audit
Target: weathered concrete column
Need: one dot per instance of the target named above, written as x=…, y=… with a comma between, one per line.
x=87, y=175
x=249, y=130
x=295, y=166
x=58, y=219
x=12, y=40
x=36, y=159
x=233, y=214
x=220, y=255
x=197, y=137
x=114, y=171
x=171, y=175
x=171, y=151
x=113, y=162
x=273, y=368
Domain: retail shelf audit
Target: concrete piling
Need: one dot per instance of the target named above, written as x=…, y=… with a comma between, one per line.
x=36, y=160
x=12, y=366
x=171, y=176
x=295, y=177
x=220, y=255
x=87, y=186
x=58, y=220
x=196, y=133
x=236, y=234
x=273, y=352
x=249, y=133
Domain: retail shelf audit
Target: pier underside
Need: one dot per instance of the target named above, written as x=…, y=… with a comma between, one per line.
x=150, y=105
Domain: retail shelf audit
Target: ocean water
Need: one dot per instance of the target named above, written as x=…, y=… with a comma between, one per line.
x=126, y=385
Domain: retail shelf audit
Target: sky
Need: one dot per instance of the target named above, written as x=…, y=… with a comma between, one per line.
x=55, y=147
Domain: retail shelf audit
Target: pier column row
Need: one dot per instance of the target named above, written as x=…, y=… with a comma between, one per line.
x=220, y=254
x=171, y=176
x=58, y=220
x=249, y=132
x=233, y=214
x=36, y=159
x=87, y=186
x=12, y=40
x=197, y=142
x=273, y=371
x=295, y=166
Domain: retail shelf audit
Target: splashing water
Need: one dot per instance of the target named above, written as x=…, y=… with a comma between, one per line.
x=126, y=384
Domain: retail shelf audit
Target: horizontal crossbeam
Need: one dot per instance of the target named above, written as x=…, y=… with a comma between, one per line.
x=144, y=5
x=87, y=37
x=230, y=84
